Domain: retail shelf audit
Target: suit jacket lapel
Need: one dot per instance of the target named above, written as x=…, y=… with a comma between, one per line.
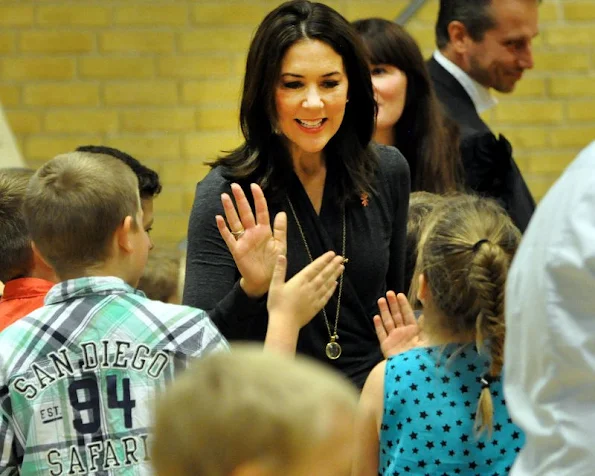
x=443, y=78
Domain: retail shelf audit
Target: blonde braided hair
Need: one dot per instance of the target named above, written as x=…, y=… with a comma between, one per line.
x=465, y=252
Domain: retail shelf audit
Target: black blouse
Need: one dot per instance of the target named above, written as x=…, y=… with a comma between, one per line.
x=375, y=246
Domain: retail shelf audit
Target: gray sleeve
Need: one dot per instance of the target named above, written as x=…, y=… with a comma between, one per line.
x=212, y=279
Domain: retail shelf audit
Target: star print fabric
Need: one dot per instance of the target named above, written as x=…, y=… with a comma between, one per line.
x=430, y=399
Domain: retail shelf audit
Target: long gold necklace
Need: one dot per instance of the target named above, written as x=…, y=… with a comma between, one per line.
x=333, y=348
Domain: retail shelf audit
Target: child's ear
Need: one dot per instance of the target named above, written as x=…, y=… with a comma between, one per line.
x=422, y=288
x=124, y=234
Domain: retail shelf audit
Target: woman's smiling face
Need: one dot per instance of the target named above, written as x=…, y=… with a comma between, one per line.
x=311, y=96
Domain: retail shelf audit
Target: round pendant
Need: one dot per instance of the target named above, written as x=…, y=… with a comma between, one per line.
x=333, y=350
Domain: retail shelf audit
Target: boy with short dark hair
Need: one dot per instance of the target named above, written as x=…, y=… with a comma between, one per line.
x=27, y=279
x=149, y=184
x=78, y=376
x=148, y=180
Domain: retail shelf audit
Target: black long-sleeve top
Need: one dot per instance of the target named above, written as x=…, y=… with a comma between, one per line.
x=375, y=247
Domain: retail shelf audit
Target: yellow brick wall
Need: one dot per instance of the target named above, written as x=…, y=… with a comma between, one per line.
x=160, y=79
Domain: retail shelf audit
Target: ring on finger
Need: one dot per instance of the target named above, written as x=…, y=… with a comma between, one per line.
x=238, y=234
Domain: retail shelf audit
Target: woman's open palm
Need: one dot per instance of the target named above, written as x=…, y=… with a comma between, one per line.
x=254, y=246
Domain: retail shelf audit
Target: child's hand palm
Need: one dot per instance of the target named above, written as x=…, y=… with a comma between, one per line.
x=396, y=327
x=298, y=300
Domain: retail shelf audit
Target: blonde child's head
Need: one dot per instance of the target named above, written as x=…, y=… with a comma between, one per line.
x=464, y=254
x=79, y=210
x=254, y=413
x=161, y=278
x=421, y=204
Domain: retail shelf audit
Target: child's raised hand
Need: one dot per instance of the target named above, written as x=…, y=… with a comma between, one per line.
x=396, y=327
x=294, y=303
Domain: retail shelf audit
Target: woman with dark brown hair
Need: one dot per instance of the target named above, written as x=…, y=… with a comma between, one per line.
x=409, y=114
x=307, y=116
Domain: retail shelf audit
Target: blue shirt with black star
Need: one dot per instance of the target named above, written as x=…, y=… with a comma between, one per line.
x=431, y=396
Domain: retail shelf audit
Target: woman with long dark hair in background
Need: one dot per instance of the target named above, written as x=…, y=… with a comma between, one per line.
x=409, y=114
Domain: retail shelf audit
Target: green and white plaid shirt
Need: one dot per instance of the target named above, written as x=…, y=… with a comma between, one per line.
x=78, y=377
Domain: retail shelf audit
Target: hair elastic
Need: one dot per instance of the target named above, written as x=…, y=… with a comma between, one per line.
x=477, y=245
x=487, y=380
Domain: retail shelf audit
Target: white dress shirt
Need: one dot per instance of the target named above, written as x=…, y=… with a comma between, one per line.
x=479, y=94
x=550, y=337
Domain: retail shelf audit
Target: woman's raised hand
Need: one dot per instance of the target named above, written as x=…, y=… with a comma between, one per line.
x=254, y=246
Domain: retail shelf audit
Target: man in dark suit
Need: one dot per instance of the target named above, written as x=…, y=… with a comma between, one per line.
x=485, y=44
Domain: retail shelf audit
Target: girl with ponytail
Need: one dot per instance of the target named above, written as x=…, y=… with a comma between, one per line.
x=439, y=408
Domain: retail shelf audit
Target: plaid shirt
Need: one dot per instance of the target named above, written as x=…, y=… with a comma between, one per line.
x=78, y=377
